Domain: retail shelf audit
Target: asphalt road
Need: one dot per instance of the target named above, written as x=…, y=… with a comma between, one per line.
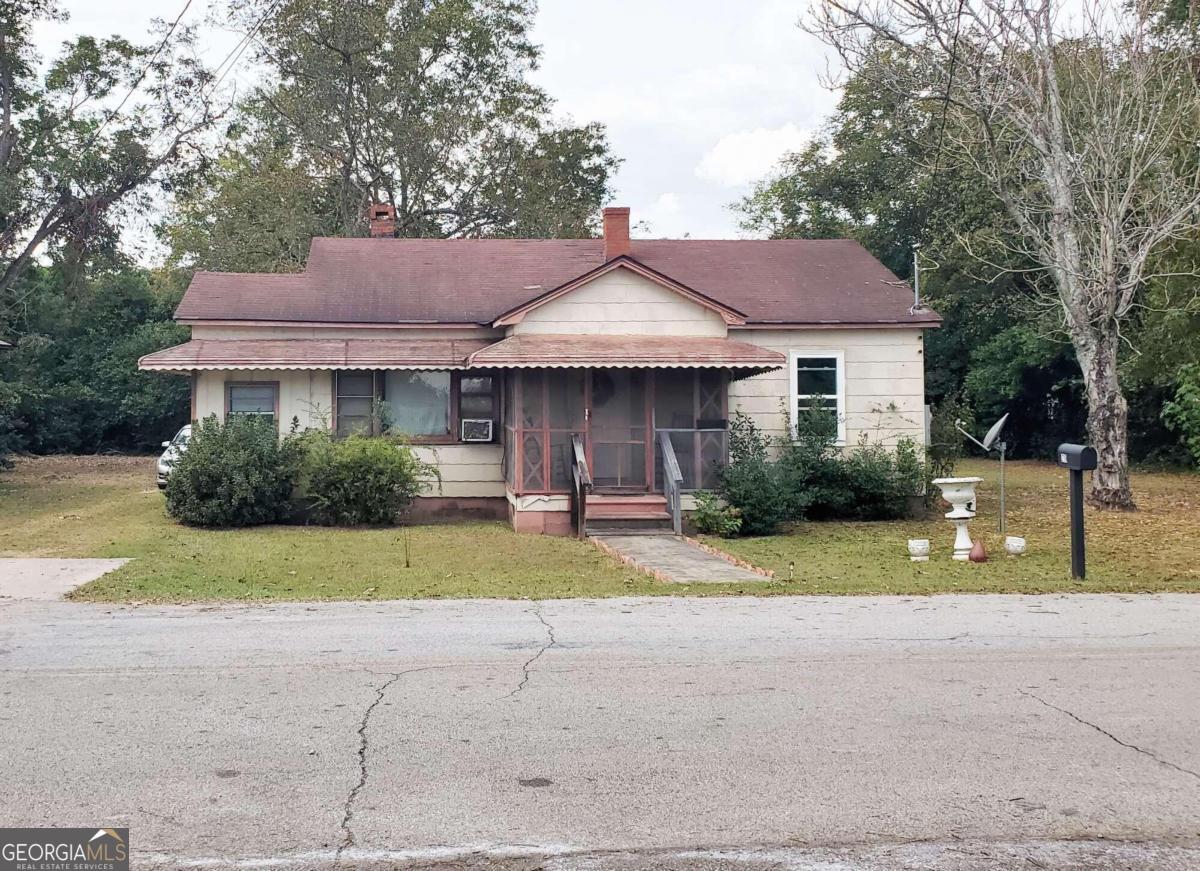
x=948, y=732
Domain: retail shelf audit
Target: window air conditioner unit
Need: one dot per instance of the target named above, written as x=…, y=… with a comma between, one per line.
x=474, y=430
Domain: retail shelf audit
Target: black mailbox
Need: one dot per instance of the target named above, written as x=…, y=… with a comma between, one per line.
x=1081, y=458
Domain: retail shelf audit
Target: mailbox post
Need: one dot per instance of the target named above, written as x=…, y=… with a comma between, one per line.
x=1078, y=459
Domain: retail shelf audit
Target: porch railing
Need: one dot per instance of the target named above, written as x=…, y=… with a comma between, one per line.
x=581, y=485
x=672, y=481
x=700, y=452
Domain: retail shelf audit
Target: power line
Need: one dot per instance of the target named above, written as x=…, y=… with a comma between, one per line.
x=230, y=61
x=141, y=77
x=937, y=158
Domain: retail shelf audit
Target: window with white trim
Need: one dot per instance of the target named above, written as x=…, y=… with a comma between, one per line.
x=818, y=378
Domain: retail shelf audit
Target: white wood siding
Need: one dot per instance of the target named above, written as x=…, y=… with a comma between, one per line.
x=304, y=394
x=884, y=385
x=622, y=302
x=467, y=470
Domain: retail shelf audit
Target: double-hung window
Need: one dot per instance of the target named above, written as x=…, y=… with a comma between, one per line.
x=355, y=403
x=255, y=398
x=818, y=379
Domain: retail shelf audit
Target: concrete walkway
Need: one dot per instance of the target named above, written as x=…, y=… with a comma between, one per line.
x=674, y=559
x=49, y=579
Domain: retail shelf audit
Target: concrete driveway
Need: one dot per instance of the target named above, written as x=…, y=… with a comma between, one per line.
x=948, y=732
x=48, y=579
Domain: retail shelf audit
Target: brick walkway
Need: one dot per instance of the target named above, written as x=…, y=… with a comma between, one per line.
x=675, y=559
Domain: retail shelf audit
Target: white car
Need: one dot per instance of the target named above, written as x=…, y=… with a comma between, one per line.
x=174, y=448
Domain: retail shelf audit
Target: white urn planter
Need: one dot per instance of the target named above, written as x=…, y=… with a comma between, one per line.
x=918, y=550
x=960, y=493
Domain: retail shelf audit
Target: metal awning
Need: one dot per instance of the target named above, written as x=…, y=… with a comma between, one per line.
x=600, y=351
x=202, y=354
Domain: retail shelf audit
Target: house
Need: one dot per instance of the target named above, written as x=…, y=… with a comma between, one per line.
x=521, y=367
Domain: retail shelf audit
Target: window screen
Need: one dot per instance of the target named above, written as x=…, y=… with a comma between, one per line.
x=255, y=399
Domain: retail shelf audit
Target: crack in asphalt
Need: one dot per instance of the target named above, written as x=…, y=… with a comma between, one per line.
x=1110, y=735
x=348, y=808
x=363, y=743
x=527, y=666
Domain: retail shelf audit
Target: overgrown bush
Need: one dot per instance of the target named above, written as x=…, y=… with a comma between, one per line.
x=866, y=482
x=750, y=482
x=813, y=478
x=713, y=517
x=236, y=473
x=360, y=480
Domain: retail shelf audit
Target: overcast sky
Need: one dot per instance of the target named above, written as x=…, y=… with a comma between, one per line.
x=700, y=96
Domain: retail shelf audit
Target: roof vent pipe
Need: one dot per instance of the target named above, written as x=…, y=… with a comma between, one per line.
x=616, y=232
x=916, y=306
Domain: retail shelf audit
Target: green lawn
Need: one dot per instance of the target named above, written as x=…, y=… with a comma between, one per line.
x=1156, y=548
x=109, y=507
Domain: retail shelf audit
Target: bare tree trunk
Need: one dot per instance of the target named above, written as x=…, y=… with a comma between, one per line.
x=1108, y=417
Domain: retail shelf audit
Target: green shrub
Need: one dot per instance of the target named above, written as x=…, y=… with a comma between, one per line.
x=360, y=480
x=814, y=479
x=1182, y=413
x=714, y=518
x=751, y=482
x=236, y=473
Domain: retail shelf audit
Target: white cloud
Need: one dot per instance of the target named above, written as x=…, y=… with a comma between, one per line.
x=739, y=158
x=661, y=219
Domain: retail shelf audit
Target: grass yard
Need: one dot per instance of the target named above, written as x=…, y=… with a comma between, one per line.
x=1156, y=548
x=109, y=507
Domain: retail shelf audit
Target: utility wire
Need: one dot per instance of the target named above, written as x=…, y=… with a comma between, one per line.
x=141, y=77
x=937, y=158
x=226, y=66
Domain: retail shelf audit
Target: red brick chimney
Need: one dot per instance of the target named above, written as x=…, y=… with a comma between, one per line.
x=382, y=219
x=616, y=232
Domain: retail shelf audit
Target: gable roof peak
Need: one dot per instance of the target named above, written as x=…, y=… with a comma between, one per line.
x=731, y=316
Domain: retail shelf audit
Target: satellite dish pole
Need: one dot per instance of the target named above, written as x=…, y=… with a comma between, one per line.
x=990, y=444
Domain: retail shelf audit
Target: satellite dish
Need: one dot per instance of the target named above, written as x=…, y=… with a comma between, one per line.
x=993, y=433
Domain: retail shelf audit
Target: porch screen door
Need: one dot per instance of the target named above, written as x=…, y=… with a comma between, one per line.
x=618, y=428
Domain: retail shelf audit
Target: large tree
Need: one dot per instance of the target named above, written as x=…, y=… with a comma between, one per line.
x=90, y=136
x=424, y=104
x=1084, y=128
x=874, y=173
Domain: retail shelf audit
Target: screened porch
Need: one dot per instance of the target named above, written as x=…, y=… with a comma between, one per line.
x=618, y=414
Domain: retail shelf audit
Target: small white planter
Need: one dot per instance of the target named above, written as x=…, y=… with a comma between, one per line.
x=1014, y=545
x=918, y=550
